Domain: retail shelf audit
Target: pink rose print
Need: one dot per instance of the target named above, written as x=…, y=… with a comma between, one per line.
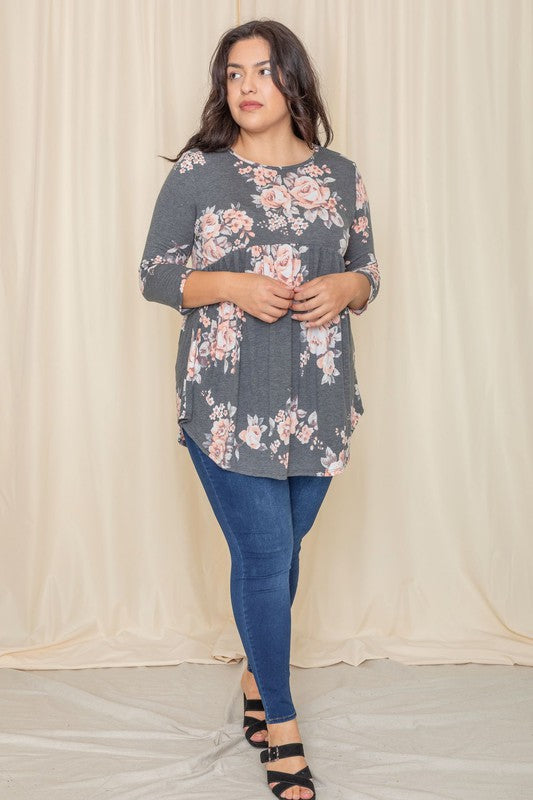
x=217, y=341
x=188, y=160
x=333, y=463
x=219, y=440
x=225, y=341
x=287, y=425
x=354, y=415
x=361, y=196
x=237, y=220
x=217, y=233
x=289, y=421
x=275, y=197
x=360, y=225
x=321, y=341
x=220, y=432
x=327, y=365
x=193, y=365
x=226, y=310
x=262, y=176
x=309, y=193
x=296, y=198
x=209, y=225
x=305, y=434
x=280, y=261
x=214, y=249
x=252, y=434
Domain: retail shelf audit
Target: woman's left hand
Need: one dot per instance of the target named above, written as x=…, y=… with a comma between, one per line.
x=320, y=300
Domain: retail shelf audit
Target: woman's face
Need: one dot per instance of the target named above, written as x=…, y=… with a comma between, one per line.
x=248, y=80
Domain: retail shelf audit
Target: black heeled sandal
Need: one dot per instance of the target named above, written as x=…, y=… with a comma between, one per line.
x=254, y=724
x=287, y=779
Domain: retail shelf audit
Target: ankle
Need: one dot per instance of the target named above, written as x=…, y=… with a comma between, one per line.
x=248, y=683
x=283, y=732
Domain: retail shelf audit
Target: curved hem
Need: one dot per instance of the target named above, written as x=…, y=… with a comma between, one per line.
x=181, y=440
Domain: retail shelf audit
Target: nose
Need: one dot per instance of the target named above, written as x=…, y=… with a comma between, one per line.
x=248, y=84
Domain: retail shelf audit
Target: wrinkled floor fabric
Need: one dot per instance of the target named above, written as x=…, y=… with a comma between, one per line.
x=381, y=730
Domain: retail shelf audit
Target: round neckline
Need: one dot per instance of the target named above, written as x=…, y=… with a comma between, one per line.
x=316, y=148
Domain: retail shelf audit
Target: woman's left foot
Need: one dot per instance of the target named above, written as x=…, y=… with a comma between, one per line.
x=284, y=733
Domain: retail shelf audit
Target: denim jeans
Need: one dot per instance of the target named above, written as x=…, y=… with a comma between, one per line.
x=264, y=521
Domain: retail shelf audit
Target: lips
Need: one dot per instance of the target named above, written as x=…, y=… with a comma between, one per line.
x=250, y=105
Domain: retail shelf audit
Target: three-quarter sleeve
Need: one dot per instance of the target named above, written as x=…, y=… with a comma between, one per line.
x=359, y=255
x=163, y=270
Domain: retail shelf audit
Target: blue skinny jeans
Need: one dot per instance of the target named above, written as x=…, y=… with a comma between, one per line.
x=264, y=521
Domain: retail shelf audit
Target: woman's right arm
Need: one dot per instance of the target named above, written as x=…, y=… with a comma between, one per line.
x=165, y=278
x=163, y=270
x=264, y=297
x=203, y=287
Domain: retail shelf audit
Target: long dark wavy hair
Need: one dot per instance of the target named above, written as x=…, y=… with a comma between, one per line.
x=218, y=130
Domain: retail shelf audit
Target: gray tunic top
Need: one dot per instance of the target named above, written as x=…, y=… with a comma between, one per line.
x=266, y=399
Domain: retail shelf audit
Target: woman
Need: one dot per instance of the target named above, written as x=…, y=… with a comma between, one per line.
x=279, y=233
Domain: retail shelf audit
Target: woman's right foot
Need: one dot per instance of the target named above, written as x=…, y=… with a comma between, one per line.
x=285, y=733
x=249, y=687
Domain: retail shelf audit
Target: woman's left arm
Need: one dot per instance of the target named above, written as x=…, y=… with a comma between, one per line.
x=359, y=258
x=320, y=300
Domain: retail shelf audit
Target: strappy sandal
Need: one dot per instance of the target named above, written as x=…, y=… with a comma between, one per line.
x=287, y=779
x=254, y=724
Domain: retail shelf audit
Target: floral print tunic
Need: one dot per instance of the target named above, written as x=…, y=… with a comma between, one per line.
x=266, y=399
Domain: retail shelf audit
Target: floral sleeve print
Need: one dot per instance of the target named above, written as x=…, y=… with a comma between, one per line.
x=359, y=257
x=270, y=399
x=163, y=271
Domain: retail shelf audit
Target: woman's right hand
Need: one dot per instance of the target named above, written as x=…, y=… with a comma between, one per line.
x=265, y=298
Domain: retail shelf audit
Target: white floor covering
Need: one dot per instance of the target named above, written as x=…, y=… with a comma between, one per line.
x=382, y=730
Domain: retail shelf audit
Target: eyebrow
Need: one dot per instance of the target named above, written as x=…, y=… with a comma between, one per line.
x=257, y=64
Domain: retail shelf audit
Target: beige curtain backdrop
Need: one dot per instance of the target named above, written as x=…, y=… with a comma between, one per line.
x=422, y=550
